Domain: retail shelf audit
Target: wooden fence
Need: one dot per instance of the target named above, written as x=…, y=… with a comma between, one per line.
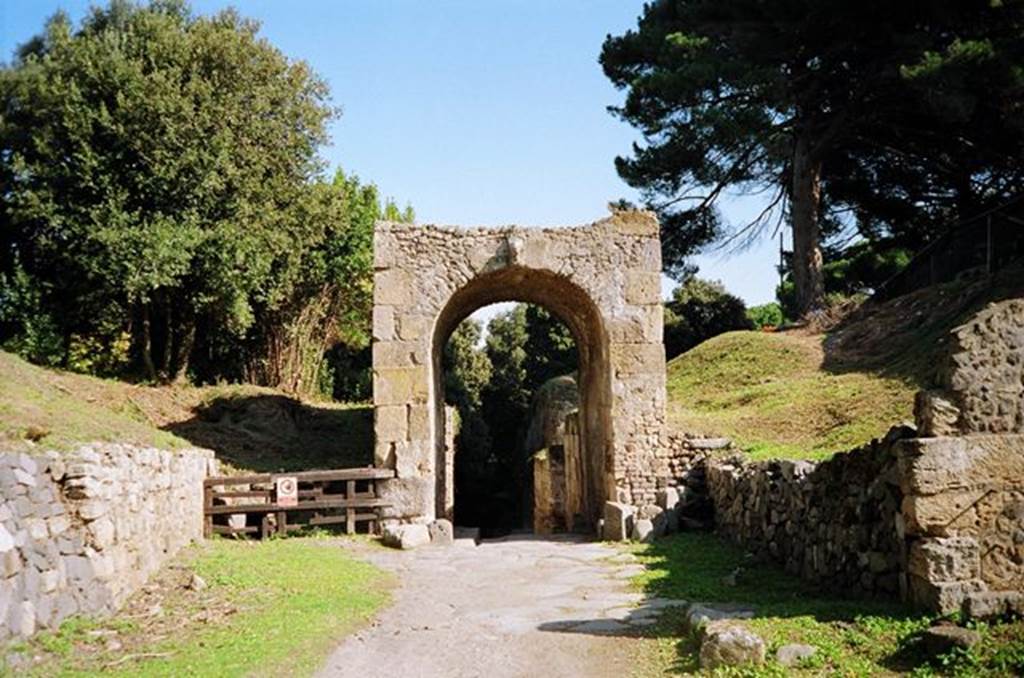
x=289, y=501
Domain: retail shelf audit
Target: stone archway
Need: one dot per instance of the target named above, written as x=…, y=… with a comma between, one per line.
x=602, y=280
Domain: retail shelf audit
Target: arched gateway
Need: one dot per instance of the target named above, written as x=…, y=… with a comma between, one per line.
x=603, y=281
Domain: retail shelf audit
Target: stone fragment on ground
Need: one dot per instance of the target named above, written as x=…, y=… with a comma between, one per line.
x=441, y=532
x=944, y=638
x=794, y=653
x=701, y=614
x=405, y=536
x=727, y=643
x=993, y=605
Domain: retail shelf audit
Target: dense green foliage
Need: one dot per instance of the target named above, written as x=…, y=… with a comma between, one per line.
x=851, y=116
x=701, y=309
x=765, y=315
x=164, y=214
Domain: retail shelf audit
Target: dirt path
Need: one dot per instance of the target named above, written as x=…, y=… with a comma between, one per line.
x=518, y=606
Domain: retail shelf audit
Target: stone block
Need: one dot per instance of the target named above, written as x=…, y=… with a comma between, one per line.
x=420, y=418
x=441, y=532
x=635, y=359
x=643, y=288
x=414, y=459
x=405, y=536
x=391, y=422
x=399, y=353
x=22, y=619
x=728, y=644
x=935, y=414
x=636, y=222
x=643, y=530
x=400, y=385
x=942, y=597
x=412, y=327
x=993, y=605
x=383, y=323
x=945, y=559
x=618, y=521
x=409, y=497
x=392, y=287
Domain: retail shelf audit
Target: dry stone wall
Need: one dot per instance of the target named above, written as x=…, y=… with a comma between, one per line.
x=81, y=531
x=835, y=521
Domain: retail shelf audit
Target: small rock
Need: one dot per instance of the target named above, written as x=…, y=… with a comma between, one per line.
x=700, y=615
x=643, y=530
x=618, y=521
x=732, y=579
x=993, y=605
x=940, y=640
x=794, y=653
x=729, y=644
x=441, y=532
x=196, y=583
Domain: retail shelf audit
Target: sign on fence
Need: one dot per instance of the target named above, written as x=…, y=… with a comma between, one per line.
x=287, y=491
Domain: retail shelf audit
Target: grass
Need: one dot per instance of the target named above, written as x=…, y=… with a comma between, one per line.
x=250, y=429
x=57, y=410
x=270, y=608
x=770, y=394
x=853, y=637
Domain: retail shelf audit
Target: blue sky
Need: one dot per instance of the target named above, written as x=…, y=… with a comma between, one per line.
x=476, y=113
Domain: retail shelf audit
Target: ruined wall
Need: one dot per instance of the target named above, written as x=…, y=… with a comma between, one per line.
x=81, y=531
x=835, y=521
x=603, y=281
x=936, y=513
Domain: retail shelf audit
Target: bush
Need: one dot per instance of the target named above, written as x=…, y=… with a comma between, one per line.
x=765, y=315
x=701, y=309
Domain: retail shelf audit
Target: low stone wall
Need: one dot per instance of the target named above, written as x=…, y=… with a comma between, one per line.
x=81, y=531
x=836, y=520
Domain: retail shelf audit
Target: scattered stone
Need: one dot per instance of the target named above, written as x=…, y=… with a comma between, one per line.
x=993, y=605
x=710, y=443
x=405, y=536
x=726, y=643
x=196, y=583
x=732, y=579
x=643, y=530
x=618, y=521
x=700, y=614
x=794, y=653
x=441, y=532
x=940, y=640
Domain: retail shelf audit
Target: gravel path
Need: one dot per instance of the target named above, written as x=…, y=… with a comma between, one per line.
x=518, y=606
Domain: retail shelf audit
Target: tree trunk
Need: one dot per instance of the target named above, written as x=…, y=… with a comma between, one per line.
x=804, y=208
x=184, y=340
x=147, y=345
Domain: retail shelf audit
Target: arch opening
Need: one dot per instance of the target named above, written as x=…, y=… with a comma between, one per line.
x=573, y=307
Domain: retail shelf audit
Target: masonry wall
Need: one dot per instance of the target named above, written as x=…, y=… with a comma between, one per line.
x=602, y=280
x=836, y=521
x=81, y=531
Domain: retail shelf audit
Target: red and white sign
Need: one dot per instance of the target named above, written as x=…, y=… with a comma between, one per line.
x=287, y=491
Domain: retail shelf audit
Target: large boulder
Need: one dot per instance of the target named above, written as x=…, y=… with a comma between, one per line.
x=727, y=643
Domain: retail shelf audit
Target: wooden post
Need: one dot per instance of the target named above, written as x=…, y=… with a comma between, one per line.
x=350, y=512
x=207, y=517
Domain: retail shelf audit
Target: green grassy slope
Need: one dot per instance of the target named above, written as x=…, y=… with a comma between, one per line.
x=250, y=428
x=770, y=394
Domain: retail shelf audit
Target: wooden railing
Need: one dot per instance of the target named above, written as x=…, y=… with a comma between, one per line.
x=290, y=501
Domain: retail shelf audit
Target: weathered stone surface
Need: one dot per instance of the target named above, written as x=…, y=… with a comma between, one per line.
x=793, y=654
x=602, y=280
x=942, y=597
x=407, y=536
x=940, y=640
x=945, y=559
x=993, y=605
x=935, y=414
x=643, y=530
x=699, y=615
x=92, y=527
x=729, y=644
x=442, y=533
x=618, y=521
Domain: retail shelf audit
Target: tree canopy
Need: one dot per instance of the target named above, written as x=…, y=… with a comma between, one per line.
x=806, y=104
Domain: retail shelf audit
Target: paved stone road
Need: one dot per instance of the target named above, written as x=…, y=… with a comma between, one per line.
x=517, y=606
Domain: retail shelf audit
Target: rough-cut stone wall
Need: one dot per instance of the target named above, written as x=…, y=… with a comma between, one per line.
x=964, y=514
x=602, y=280
x=836, y=520
x=983, y=383
x=80, y=532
